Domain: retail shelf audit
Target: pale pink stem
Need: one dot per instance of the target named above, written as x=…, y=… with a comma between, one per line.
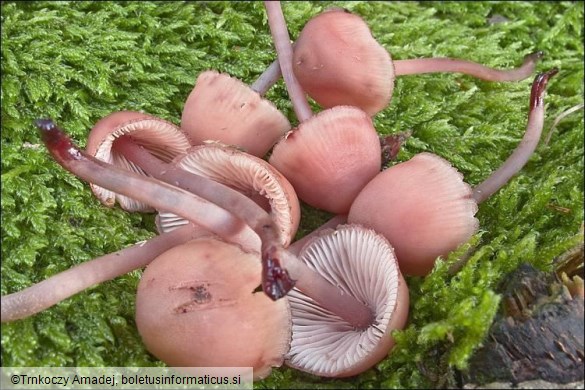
x=522, y=153
x=433, y=65
x=295, y=247
x=284, y=50
x=223, y=196
x=53, y=290
x=267, y=79
x=327, y=295
x=155, y=193
x=359, y=316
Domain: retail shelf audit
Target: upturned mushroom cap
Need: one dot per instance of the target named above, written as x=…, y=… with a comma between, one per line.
x=422, y=206
x=361, y=263
x=338, y=62
x=246, y=173
x=222, y=108
x=195, y=307
x=330, y=157
x=161, y=138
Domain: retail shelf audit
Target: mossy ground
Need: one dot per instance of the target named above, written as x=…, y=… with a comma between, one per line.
x=79, y=61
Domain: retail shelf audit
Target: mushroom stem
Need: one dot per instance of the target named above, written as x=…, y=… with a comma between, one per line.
x=221, y=195
x=526, y=147
x=325, y=294
x=559, y=118
x=433, y=65
x=284, y=50
x=337, y=220
x=275, y=279
x=157, y=194
x=267, y=79
x=65, y=284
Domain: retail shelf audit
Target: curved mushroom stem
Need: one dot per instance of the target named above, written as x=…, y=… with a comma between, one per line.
x=433, y=65
x=285, y=52
x=559, y=118
x=65, y=284
x=221, y=195
x=268, y=78
x=157, y=194
x=526, y=147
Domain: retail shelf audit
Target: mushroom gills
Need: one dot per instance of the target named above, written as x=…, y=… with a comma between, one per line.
x=361, y=263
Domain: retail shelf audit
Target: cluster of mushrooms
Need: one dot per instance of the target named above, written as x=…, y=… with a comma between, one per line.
x=329, y=302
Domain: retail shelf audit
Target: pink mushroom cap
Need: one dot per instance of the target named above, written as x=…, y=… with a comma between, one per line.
x=222, y=108
x=330, y=157
x=196, y=307
x=422, y=206
x=161, y=138
x=337, y=61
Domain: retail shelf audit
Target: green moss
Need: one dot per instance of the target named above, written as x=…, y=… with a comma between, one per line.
x=79, y=61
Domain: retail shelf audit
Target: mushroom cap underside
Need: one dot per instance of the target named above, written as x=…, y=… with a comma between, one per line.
x=361, y=263
x=161, y=138
x=248, y=174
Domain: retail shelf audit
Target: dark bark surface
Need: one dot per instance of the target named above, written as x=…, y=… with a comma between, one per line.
x=538, y=335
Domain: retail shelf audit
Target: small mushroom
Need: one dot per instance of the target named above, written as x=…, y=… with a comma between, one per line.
x=423, y=206
x=196, y=307
x=338, y=62
x=222, y=108
x=331, y=156
x=159, y=137
x=362, y=263
x=246, y=173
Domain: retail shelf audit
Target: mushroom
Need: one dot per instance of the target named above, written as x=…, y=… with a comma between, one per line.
x=246, y=173
x=331, y=156
x=222, y=108
x=362, y=263
x=159, y=137
x=423, y=206
x=196, y=307
x=338, y=62
x=281, y=269
x=190, y=302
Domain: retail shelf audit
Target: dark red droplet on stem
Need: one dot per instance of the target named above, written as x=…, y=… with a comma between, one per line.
x=276, y=282
x=539, y=86
x=57, y=142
